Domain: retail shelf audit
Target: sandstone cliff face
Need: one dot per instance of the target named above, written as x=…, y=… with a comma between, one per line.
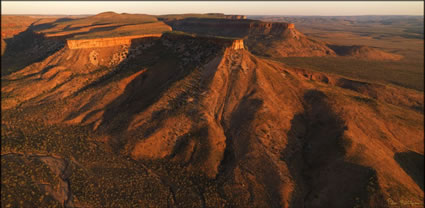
x=106, y=42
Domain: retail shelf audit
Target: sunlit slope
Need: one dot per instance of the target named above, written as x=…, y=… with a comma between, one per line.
x=107, y=24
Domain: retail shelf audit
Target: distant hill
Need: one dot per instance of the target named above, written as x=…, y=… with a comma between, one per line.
x=406, y=26
x=364, y=52
x=107, y=24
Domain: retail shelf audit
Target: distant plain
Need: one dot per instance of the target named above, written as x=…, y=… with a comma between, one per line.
x=401, y=35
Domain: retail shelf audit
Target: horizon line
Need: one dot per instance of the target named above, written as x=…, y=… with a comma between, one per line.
x=227, y=14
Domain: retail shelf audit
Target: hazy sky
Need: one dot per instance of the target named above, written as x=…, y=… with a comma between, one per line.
x=240, y=7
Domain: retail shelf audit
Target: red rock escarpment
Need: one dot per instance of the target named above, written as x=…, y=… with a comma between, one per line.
x=267, y=28
x=106, y=42
x=230, y=27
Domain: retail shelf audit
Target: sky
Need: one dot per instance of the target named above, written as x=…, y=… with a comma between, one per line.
x=323, y=8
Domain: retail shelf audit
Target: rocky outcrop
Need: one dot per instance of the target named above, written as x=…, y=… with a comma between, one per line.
x=106, y=42
x=237, y=44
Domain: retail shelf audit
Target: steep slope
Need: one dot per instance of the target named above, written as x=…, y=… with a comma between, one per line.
x=202, y=122
x=60, y=74
x=12, y=25
x=26, y=48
